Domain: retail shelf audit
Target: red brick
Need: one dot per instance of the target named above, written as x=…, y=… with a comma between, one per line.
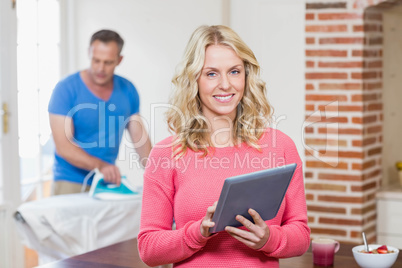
x=364, y=120
x=343, y=86
x=342, y=131
x=369, y=119
x=308, y=152
x=340, y=221
x=317, y=97
x=369, y=197
x=319, y=164
x=310, y=219
x=365, y=97
x=339, y=177
x=364, y=166
x=315, y=141
x=325, y=187
x=364, y=187
x=374, y=64
x=367, y=231
x=374, y=129
x=339, y=16
x=350, y=108
x=375, y=41
x=364, y=75
x=343, y=154
x=309, y=87
x=372, y=174
x=308, y=175
x=310, y=64
x=350, y=64
x=310, y=107
x=310, y=40
x=341, y=199
x=371, y=218
x=351, y=154
x=367, y=53
x=326, y=28
x=309, y=130
x=357, y=120
x=310, y=16
x=373, y=16
x=369, y=141
x=328, y=231
x=375, y=151
x=317, y=119
x=339, y=108
x=336, y=210
x=374, y=107
x=332, y=5
x=364, y=210
x=309, y=197
x=369, y=164
x=341, y=40
x=370, y=97
x=326, y=53
x=367, y=28
x=357, y=143
x=357, y=166
x=370, y=86
x=328, y=108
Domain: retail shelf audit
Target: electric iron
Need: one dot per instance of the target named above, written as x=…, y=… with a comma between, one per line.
x=100, y=189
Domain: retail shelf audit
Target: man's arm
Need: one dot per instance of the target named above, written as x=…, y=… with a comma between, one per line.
x=63, y=133
x=139, y=136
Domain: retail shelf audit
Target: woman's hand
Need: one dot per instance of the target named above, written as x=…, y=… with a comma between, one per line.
x=206, y=222
x=257, y=233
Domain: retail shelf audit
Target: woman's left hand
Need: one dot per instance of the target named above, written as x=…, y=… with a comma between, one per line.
x=257, y=233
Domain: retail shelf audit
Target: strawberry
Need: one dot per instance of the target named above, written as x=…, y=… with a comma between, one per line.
x=382, y=250
x=383, y=247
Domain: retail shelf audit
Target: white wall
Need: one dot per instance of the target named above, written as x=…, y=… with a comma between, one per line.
x=274, y=29
x=156, y=32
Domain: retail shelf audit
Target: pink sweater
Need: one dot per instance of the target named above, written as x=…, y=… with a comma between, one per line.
x=185, y=188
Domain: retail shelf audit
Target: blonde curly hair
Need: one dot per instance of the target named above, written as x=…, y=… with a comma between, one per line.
x=185, y=117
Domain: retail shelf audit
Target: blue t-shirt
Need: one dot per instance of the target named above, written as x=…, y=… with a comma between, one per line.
x=98, y=124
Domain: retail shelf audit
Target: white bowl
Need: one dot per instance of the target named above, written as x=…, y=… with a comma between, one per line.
x=366, y=260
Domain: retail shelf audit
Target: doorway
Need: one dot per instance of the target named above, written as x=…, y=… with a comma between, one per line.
x=38, y=68
x=392, y=94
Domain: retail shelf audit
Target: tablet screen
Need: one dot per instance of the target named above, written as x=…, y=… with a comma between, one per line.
x=262, y=191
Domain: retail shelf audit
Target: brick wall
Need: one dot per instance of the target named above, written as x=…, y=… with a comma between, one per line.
x=343, y=133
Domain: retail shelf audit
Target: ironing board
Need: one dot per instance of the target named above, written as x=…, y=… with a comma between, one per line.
x=67, y=225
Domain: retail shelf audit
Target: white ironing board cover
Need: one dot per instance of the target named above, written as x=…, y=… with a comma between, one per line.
x=69, y=225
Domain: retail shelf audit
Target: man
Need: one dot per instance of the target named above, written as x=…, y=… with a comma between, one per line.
x=88, y=112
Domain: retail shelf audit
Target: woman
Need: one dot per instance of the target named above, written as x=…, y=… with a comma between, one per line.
x=219, y=116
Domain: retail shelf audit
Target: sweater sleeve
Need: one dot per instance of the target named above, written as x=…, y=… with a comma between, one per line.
x=292, y=237
x=157, y=243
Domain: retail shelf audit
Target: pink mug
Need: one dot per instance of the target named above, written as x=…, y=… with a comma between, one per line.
x=324, y=250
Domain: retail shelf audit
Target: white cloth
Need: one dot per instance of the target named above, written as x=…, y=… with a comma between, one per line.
x=67, y=225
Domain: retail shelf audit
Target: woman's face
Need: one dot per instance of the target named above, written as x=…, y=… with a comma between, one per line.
x=221, y=82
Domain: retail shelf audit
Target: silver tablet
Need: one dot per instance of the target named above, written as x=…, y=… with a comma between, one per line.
x=262, y=191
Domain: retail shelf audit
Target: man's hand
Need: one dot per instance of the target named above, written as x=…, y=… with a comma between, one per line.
x=206, y=222
x=111, y=173
x=256, y=234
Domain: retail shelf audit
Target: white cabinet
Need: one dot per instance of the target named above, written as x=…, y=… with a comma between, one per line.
x=389, y=217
